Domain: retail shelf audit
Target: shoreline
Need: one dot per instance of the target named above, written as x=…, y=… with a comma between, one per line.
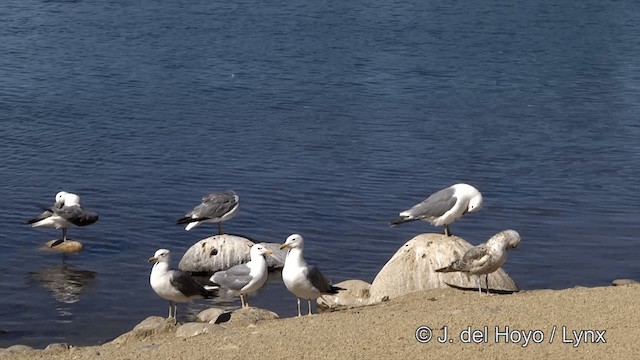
x=565, y=323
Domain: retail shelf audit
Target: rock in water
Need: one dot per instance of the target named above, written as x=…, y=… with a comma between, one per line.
x=220, y=252
x=623, y=282
x=412, y=268
x=216, y=253
x=355, y=293
x=67, y=247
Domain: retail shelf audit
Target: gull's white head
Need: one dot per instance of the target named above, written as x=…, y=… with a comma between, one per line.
x=259, y=250
x=293, y=241
x=507, y=239
x=162, y=255
x=64, y=198
x=474, y=196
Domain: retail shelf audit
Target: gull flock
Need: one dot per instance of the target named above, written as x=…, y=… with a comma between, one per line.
x=304, y=281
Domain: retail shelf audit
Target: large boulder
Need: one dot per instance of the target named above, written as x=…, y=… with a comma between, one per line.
x=355, y=293
x=412, y=268
x=221, y=252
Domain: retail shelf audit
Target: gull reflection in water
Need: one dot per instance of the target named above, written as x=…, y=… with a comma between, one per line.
x=65, y=282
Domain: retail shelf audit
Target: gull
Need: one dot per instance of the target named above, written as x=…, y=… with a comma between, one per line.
x=66, y=211
x=304, y=281
x=245, y=278
x=485, y=258
x=444, y=206
x=173, y=284
x=215, y=208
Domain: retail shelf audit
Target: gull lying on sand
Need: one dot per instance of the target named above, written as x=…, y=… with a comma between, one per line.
x=66, y=211
x=304, y=281
x=485, y=258
x=444, y=206
x=215, y=208
x=245, y=278
x=173, y=284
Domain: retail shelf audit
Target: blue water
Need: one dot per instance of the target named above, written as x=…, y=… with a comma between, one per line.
x=327, y=118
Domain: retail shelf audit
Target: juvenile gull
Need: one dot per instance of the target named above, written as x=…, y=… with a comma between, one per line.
x=173, y=284
x=485, y=258
x=215, y=208
x=444, y=206
x=66, y=211
x=244, y=279
x=304, y=281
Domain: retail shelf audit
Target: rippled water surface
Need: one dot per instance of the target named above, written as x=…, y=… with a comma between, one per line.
x=327, y=118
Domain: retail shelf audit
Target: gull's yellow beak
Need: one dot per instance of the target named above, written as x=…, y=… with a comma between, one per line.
x=153, y=259
x=268, y=252
x=284, y=246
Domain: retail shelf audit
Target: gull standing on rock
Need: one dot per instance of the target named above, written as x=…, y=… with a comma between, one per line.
x=485, y=258
x=215, y=208
x=66, y=211
x=304, y=281
x=173, y=284
x=245, y=278
x=444, y=206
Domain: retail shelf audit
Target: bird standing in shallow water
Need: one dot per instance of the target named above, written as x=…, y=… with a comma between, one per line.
x=215, y=208
x=304, y=281
x=444, y=207
x=173, y=284
x=66, y=211
x=245, y=278
x=485, y=258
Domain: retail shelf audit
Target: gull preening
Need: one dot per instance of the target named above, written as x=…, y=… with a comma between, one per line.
x=303, y=280
x=444, y=207
x=215, y=208
x=173, y=284
x=485, y=258
x=66, y=211
x=244, y=279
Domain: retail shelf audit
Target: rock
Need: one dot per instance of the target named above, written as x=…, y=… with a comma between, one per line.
x=275, y=260
x=211, y=315
x=412, y=268
x=622, y=282
x=148, y=327
x=196, y=328
x=67, y=247
x=19, y=349
x=356, y=294
x=251, y=315
x=57, y=347
x=221, y=252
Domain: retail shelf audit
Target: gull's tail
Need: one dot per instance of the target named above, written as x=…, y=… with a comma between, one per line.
x=454, y=267
x=334, y=290
x=401, y=220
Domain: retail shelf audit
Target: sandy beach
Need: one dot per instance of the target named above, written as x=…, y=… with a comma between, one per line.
x=561, y=324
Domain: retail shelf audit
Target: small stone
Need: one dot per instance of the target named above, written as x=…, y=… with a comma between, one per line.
x=18, y=349
x=623, y=282
x=148, y=327
x=251, y=315
x=195, y=329
x=210, y=315
x=57, y=347
x=355, y=293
